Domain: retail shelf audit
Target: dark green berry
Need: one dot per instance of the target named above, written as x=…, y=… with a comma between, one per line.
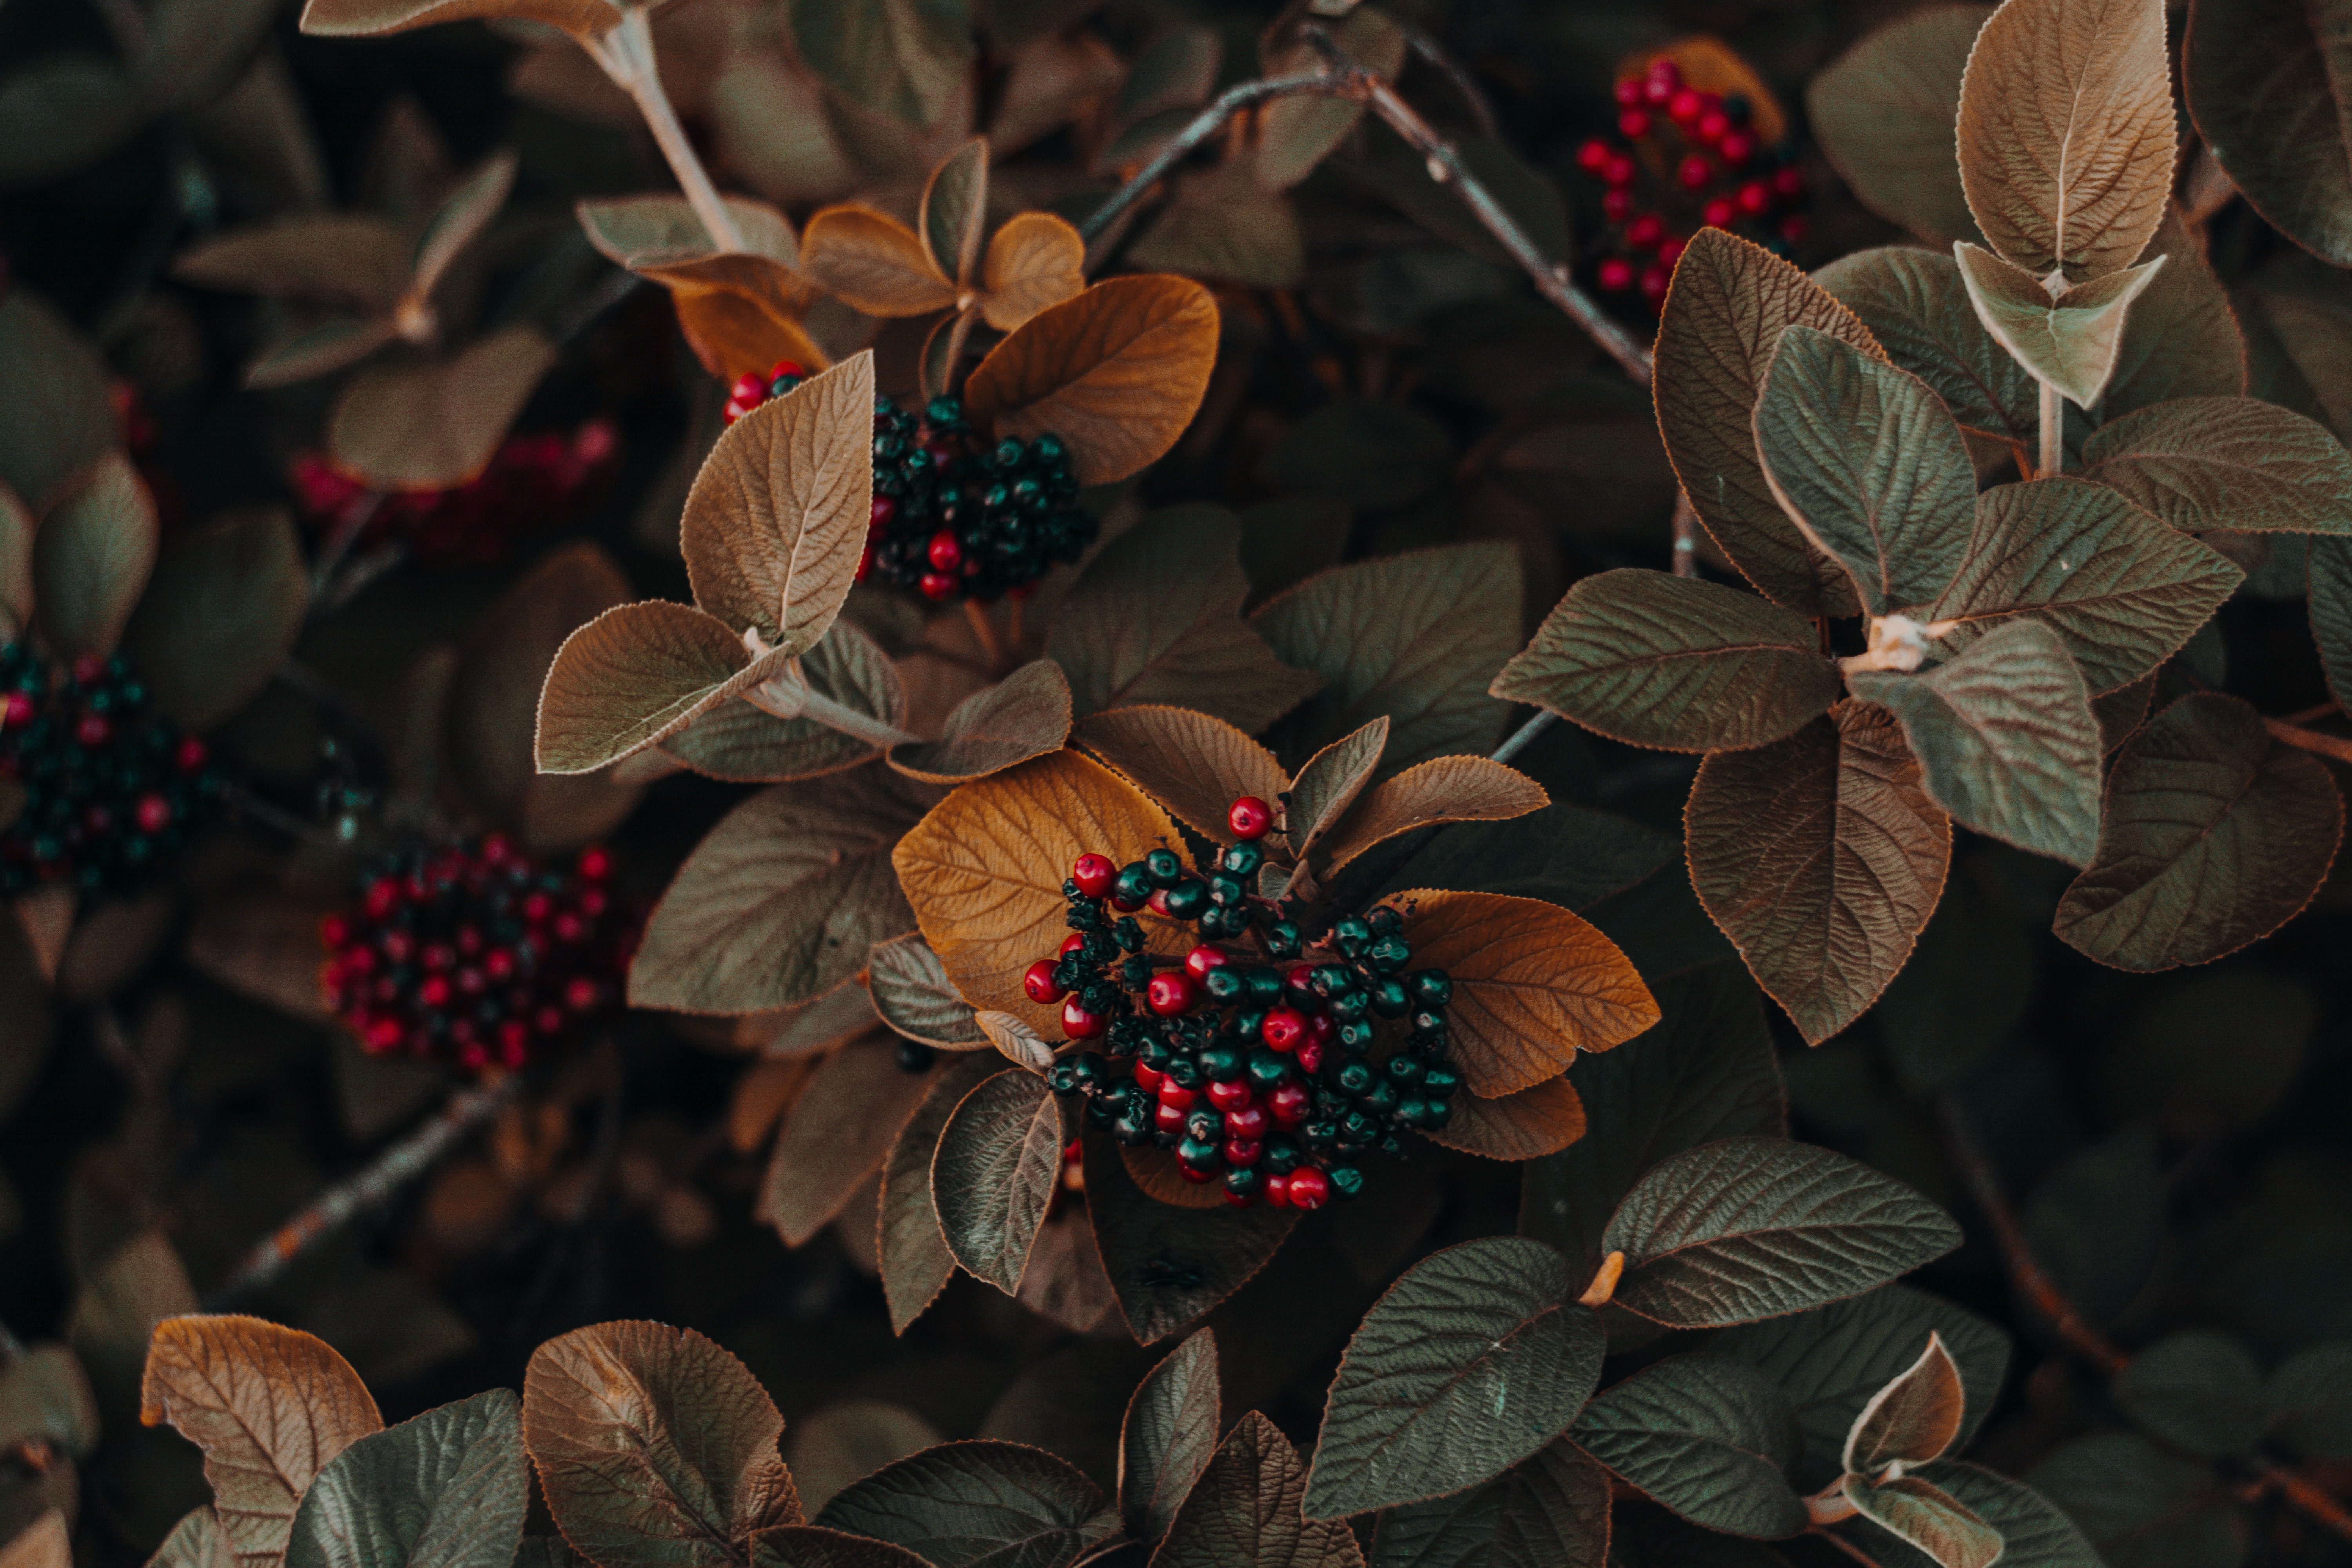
x=1187, y=898
x=1201, y=1153
x=1349, y=1006
x=1242, y=859
x=1430, y=988
x=1352, y=936
x=1225, y=983
x=1205, y=1122
x=1243, y=1181
x=1389, y=999
x=1379, y=1100
x=1429, y=1024
x=1356, y=1036
x=1439, y=1081
x=1385, y=922
x=1354, y=1078
x=1405, y=1067
x=1221, y=1062
x=1163, y=867
x=1268, y=1069
x=1264, y=986
x=1282, y=940
x=1347, y=1182
x=1128, y=934
x=1282, y=1153
x=1390, y=953
x=1227, y=892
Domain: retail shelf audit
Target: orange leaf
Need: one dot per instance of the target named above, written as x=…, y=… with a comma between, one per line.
x=1035, y=261
x=735, y=334
x=1117, y=374
x=984, y=870
x=1533, y=985
x=1445, y=789
x=1193, y=764
x=873, y=263
x=1541, y=1120
x=1156, y=1172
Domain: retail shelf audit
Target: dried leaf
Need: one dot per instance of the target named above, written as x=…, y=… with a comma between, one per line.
x=1116, y=374
x=1025, y=715
x=736, y=334
x=371, y=18
x=1533, y=985
x=873, y=263
x=433, y=425
x=2069, y=342
x=1035, y=261
x=270, y=1407
x=1884, y=113
x=635, y=676
x=46, y=1542
x=17, y=525
x=1820, y=855
x=1247, y=1508
x=1915, y=1418
x=448, y=1487
x=839, y=1129
x=953, y=210
x=1540, y=1119
x=1448, y=789
x=1195, y=764
x=998, y=1162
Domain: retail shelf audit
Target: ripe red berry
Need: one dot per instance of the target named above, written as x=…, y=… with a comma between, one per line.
x=1230, y=1096
x=1620, y=172
x=1199, y=1175
x=1616, y=275
x=93, y=730
x=1038, y=983
x=1080, y=1024
x=1659, y=90
x=1094, y=873
x=1669, y=252
x=1633, y=123
x=1249, y=817
x=1310, y=1055
x=1289, y=1104
x=19, y=709
x=1713, y=126
x=1275, y=1191
x=1167, y=1118
x=1616, y=204
x=1664, y=69
x=154, y=814
x=945, y=551
x=1283, y=1029
x=1070, y=944
x=190, y=755
x=1645, y=231
x=936, y=584
x=1247, y=1122
x=434, y=990
x=1654, y=283
x=1593, y=156
x=747, y=389
x=1737, y=147
x=1721, y=212
x=1309, y=1188
x=1684, y=107
x=1170, y=992
x=1795, y=227
x=1202, y=958
x=1694, y=173
x=1243, y=1150
x=1149, y=1076
x=879, y=516
x=1754, y=199
x=1629, y=94
x=1789, y=184
x=1176, y=1094
x=1157, y=903
x=785, y=367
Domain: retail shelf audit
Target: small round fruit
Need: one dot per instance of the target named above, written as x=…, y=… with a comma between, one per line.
x=1283, y=1029
x=1633, y=123
x=1039, y=984
x=1309, y=1188
x=1243, y=1185
x=1080, y=1024
x=1276, y=1193
x=1229, y=1095
x=1249, y=817
x=1171, y=993
x=1287, y=1106
x=1593, y=155
x=945, y=551
x=1694, y=173
x=1246, y=1122
x=1186, y=900
x=1093, y=874
x=1616, y=275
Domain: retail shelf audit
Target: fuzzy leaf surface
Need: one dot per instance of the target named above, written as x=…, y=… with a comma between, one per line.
x=444, y=1490
x=1916, y=305
x=999, y=1161
x=1915, y=1418
x=2181, y=337
x=839, y=1129
x=873, y=263
x=1704, y=1436
x=1329, y=781
x=2070, y=342
x=435, y=424
x=2264, y=79
x=1171, y=1265
x=1549, y=1510
x=916, y=1264
x=635, y=676
x=915, y=996
x=1884, y=113
x=2234, y=463
x=92, y=555
x=1193, y=764
x=1245, y=1511
x=1445, y=789
x=1169, y=1434
x=977, y=1505
x=1929, y=1518
x=1025, y=715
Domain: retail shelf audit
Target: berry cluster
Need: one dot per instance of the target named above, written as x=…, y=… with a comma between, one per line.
x=950, y=515
x=1262, y=1071
x=108, y=789
x=532, y=483
x=478, y=958
x=1725, y=177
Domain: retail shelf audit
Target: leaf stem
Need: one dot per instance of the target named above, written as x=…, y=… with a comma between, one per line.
x=626, y=53
x=790, y=695
x=1685, y=535
x=2304, y=739
x=1526, y=733
x=1200, y=129
x=2054, y=434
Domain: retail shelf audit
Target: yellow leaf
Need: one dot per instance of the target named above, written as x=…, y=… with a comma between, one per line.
x=873, y=263
x=736, y=334
x=1533, y=985
x=1035, y=261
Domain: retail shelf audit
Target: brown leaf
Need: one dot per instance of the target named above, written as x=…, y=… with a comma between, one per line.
x=1820, y=855
x=17, y=525
x=984, y=870
x=1116, y=374
x=662, y=238
x=371, y=18
x=221, y=614
x=916, y=1263
x=635, y=676
x=1192, y=763
x=655, y=1449
x=743, y=744
x=431, y=424
x=1223, y=224
x=1156, y=1172
x=44, y=1543
x=1533, y=985
x=1328, y=784
x=1015, y=1040
x=1035, y=261
x=778, y=516
x=91, y=557
x=1448, y=789
x=735, y=334
x=1025, y=715
x=357, y=259
x=873, y=263
x=913, y=994
x=953, y=209
x=265, y=944
x=836, y=1134
x=1065, y=1284
x=1541, y=1120
x=269, y=1405
x=1245, y=1508
x=996, y=1168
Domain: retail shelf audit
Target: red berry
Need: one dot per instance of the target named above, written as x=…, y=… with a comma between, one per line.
x=1157, y=903
x=1173, y=1093
x=19, y=709
x=936, y=584
x=93, y=730
x=1658, y=91
x=1633, y=123
x=1243, y=1150
x=1721, y=212
x=1789, y=184
x=1038, y=983
x=1684, y=107
x=1197, y=1175
x=945, y=551
x=581, y=994
x=1629, y=95
x=1247, y=1123
x=1080, y=1024
x=1644, y=231
x=1694, y=173
x=1170, y=992
x=1310, y=1055
x=1669, y=252
x=1249, y=817
x=1166, y=1118
x=1654, y=283
x=1289, y=1104
x=1308, y=1188
x=1620, y=172
x=1714, y=125
x=1150, y=1078
x=1275, y=1192
x=382, y=1035
x=154, y=814
x=880, y=515
x=1230, y=1096
x=1754, y=199
x=1593, y=156
x=191, y=755
x=434, y=991
x=88, y=668
x=1070, y=944
x=1616, y=204
x=1202, y=958
x=334, y=930
x=1094, y=873
x=1794, y=228
x=747, y=390
x=1737, y=147
x=1616, y=275
x=1283, y=1029
x=785, y=367
x=1664, y=69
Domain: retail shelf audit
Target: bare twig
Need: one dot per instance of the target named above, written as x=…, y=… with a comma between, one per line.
x=626, y=53
x=2304, y=1495
x=1202, y=129
x=1463, y=82
x=2311, y=715
x=1685, y=535
x=366, y=1189
x=2309, y=739
x=1520, y=738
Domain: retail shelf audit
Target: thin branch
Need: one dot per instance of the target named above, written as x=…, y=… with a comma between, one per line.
x=1520, y=738
x=1202, y=128
x=2054, y=434
x=1685, y=535
x=2306, y=1496
x=1463, y=83
x=339, y=544
x=2309, y=739
x=2311, y=715
x=626, y=53
x=366, y=1189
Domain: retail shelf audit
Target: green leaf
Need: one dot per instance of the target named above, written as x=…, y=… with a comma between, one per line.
x=1328, y=783
x=2181, y=338
x=1564, y=855
x=955, y=204
x=91, y=557
x=2310, y=1399
x=369, y=18
x=1245, y=1510
x=1169, y=1436
x=1915, y=1418
x=1746, y=1228
x=635, y=676
x=1923, y=1516
x=1825, y=906
x=1223, y=224
x=55, y=419
x=655, y=1449
x=2262, y=79
x=1549, y=1510
x=1155, y=617
x=44, y=1397
x=1415, y=637
x=1884, y=113
x=445, y=1489
x=998, y=1163
x=1706, y=1071
x=1171, y=1265
x=2200, y=1390
x=900, y=57
x=812, y=1546
x=1723, y=318
x=63, y=114
x=743, y=744
x=1025, y=715
x=2070, y=341
x=2035, y=1534
x=2097, y=1223
x=2141, y=1507
x=2005, y=736
x=2067, y=133
x=977, y=1505
x=1914, y=304
x=916, y=1264
x=780, y=511
x=1867, y=462
x=17, y=525
x=2231, y=463
x=915, y=996
x=839, y=1129
x=2331, y=612
x=435, y=424
x=1673, y=662
x=1474, y=1360
x=781, y=900
x=1705, y=1436
x=1832, y=1361
x=2124, y=592
x=2213, y=836
x=1298, y=133
x=220, y=615
x=459, y=221
x=196, y=1541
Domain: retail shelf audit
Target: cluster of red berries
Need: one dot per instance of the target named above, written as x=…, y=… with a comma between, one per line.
x=1254, y=1059
x=532, y=483
x=952, y=516
x=1724, y=177
x=108, y=789
x=478, y=958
